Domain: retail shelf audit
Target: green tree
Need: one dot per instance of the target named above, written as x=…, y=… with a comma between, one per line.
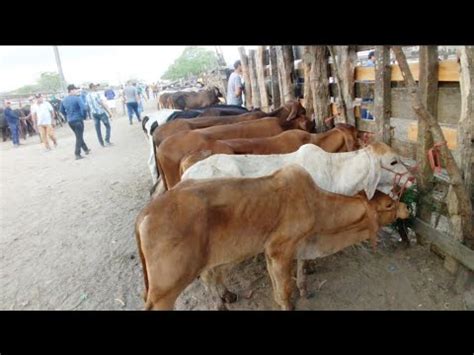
x=192, y=61
x=49, y=82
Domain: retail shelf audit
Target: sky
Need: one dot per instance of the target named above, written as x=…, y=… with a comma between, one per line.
x=22, y=65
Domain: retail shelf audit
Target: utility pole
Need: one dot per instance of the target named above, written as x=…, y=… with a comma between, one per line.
x=60, y=69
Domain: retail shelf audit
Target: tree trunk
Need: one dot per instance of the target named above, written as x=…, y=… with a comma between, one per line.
x=319, y=81
x=245, y=71
x=276, y=99
x=344, y=67
x=382, y=104
x=260, y=65
x=428, y=84
x=308, y=60
x=466, y=122
x=285, y=67
x=253, y=80
x=455, y=175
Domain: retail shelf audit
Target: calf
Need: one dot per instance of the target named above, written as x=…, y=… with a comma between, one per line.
x=175, y=148
x=200, y=225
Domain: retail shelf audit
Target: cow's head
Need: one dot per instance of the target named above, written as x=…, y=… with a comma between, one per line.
x=386, y=170
x=388, y=210
x=293, y=112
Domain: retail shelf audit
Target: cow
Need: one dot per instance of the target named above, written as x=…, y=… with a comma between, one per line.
x=199, y=226
x=163, y=100
x=189, y=100
x=375, y=167
x=164, y=116
x=342, y=138
x=176, y=147
x=181, y=125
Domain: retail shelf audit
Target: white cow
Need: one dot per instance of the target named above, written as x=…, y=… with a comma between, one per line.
x=368, y=169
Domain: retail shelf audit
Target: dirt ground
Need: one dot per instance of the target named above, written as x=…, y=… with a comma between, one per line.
x=67, y=240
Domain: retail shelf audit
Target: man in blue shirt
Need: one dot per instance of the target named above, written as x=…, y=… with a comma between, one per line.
x=371, y=62
x=13, y=123
x=99, y=111
x=74, y=110
x=110, y=95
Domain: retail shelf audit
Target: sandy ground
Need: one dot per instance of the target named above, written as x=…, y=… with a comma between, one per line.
x=67, y=240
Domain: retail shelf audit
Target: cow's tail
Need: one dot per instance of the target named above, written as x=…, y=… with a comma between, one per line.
x=142, y=257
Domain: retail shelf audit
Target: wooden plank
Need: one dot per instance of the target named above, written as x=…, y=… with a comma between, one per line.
x=382, y=100
x=453, y=248
x=448, y=70
x=449, y=133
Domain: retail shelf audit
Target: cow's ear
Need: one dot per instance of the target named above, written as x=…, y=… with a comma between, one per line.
x=293, y=112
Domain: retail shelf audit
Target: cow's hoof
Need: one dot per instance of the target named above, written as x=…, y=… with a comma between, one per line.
x=222, y=307
x=304, y=293
x=288, y=307
x=229, y=297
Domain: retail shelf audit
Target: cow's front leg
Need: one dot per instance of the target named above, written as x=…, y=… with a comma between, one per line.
x=280, y=269
x=301, y=281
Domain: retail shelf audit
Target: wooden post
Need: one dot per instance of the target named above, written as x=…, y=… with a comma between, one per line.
x=276, y=99
x=428, y=83
x=285, y=67
x=457, y=223
x=260, y=66
x=253, y=80
x=382, y=104
x=308, y=59
x=245, y=71
x=344, y=67
x=319, y=81
x=455, y=176
x=466, y=122
x=341, y=106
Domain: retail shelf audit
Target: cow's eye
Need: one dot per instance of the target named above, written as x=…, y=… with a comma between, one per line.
x=393, y=162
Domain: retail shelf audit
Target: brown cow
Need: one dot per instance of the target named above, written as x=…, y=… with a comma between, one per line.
x=163, y=100
x=342, y=138
x=189, y=100
x=180, y=125
x=173, y=149
x=200, y=225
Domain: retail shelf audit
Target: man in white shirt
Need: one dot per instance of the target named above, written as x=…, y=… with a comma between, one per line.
x=43, y=114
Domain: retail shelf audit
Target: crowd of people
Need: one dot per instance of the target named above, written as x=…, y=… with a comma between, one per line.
x=44, y=113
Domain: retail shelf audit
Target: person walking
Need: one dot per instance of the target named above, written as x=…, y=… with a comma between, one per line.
x=13, y=122
x=132, y=99
x=74, y=110
x=111, y=102
x=43, y=114
x=99, y=110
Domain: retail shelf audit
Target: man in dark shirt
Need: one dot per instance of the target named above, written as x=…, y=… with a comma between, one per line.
x=74, y=110
x=13, y=123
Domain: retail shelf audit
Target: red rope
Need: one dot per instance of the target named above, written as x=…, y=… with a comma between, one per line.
x=434, y=157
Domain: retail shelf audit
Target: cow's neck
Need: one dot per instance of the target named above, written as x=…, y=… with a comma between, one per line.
x=343, y=173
